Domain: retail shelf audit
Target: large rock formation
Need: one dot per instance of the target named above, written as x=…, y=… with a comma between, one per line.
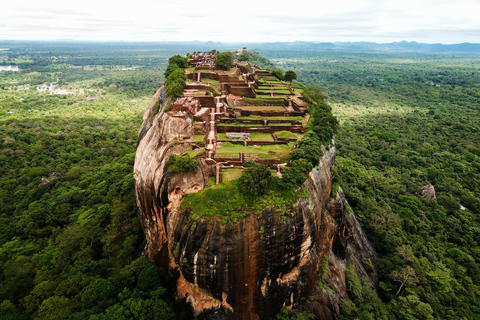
x=251, y=268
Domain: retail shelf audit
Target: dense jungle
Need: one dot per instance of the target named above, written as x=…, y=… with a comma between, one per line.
x=71, y=242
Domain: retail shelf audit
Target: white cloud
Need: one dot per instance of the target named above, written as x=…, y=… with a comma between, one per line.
x=447, y=21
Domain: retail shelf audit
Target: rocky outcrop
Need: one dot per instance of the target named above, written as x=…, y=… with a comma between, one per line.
x=428, y=192
x=251, y=268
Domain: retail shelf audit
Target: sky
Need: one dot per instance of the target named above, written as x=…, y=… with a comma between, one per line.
x=382, y=21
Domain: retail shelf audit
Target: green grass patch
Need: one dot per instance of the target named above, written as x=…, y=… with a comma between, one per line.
x=263, y=92
x=198, y=138
x=195, y=153
x=231, y=174
x=262, y=100
x=233, y=155
x=222, y=136
x=227, y=200
x=280, y=148
x=288, y=135
x=261, y=136
x=238, y=125
x=266, y=155
x=212, y=82
x=266, y=87
x=262, y=108
x=273, y=118
x=226, y=147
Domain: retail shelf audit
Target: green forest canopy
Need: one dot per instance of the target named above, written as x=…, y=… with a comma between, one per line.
x=405, y=120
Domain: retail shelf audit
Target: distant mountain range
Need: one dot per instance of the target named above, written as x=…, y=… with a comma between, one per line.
x=405, y=46
x=402, y=46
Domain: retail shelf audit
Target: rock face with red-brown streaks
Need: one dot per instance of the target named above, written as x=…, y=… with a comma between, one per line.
x=251, y=268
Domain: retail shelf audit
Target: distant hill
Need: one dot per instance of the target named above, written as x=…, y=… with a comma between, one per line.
x=402, y=46
x=405, y=46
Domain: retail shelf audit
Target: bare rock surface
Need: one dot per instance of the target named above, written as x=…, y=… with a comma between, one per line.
x=428, y=192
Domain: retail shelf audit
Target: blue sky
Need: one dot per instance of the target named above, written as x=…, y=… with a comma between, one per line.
x=440, y=21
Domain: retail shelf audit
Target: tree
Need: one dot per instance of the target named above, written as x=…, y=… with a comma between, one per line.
x=180, y=61
x=411, y=307
x=255, y=180
x=243, y=57
x=171, y=67
x=404, y=276
x=176, y=83
x=224, y=60
x=278, y=73
x=297, y=174
x=182, y=164
x=290, y=75
x=175, y=90
x=313, y=95
x=177, y=76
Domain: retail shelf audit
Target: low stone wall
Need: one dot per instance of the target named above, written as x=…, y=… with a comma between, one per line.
x=243, y=90
x=233, y=159
x=202, y=87
x=295, y=114
x=287, y=140
x=254, y=142
x=260, y=121
x=268, y=162
x=233, y=163
x=262, y=129
x=206, y=101
x=246, y=113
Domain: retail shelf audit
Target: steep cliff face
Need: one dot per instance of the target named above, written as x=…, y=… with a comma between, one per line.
x=251, y=268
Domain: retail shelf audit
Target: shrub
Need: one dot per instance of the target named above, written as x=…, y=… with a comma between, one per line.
x=296, y=175
x=354, y=285
x=255, y=180
x=181, y=164
x=249, y=163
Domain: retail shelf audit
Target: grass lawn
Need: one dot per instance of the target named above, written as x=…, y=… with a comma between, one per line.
x=279, y=148
x=273, y=118
x=222, y=136
x=289, y=135
x=196, y=152
x=266, y=87
x=198, y=138
x=254, y=136
x=231, y=174
x=233, y=155
x=238, y=125
x=227, y=147
x=261, y=137
x=263, y=92
x=212, y=82
x=262, y=108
